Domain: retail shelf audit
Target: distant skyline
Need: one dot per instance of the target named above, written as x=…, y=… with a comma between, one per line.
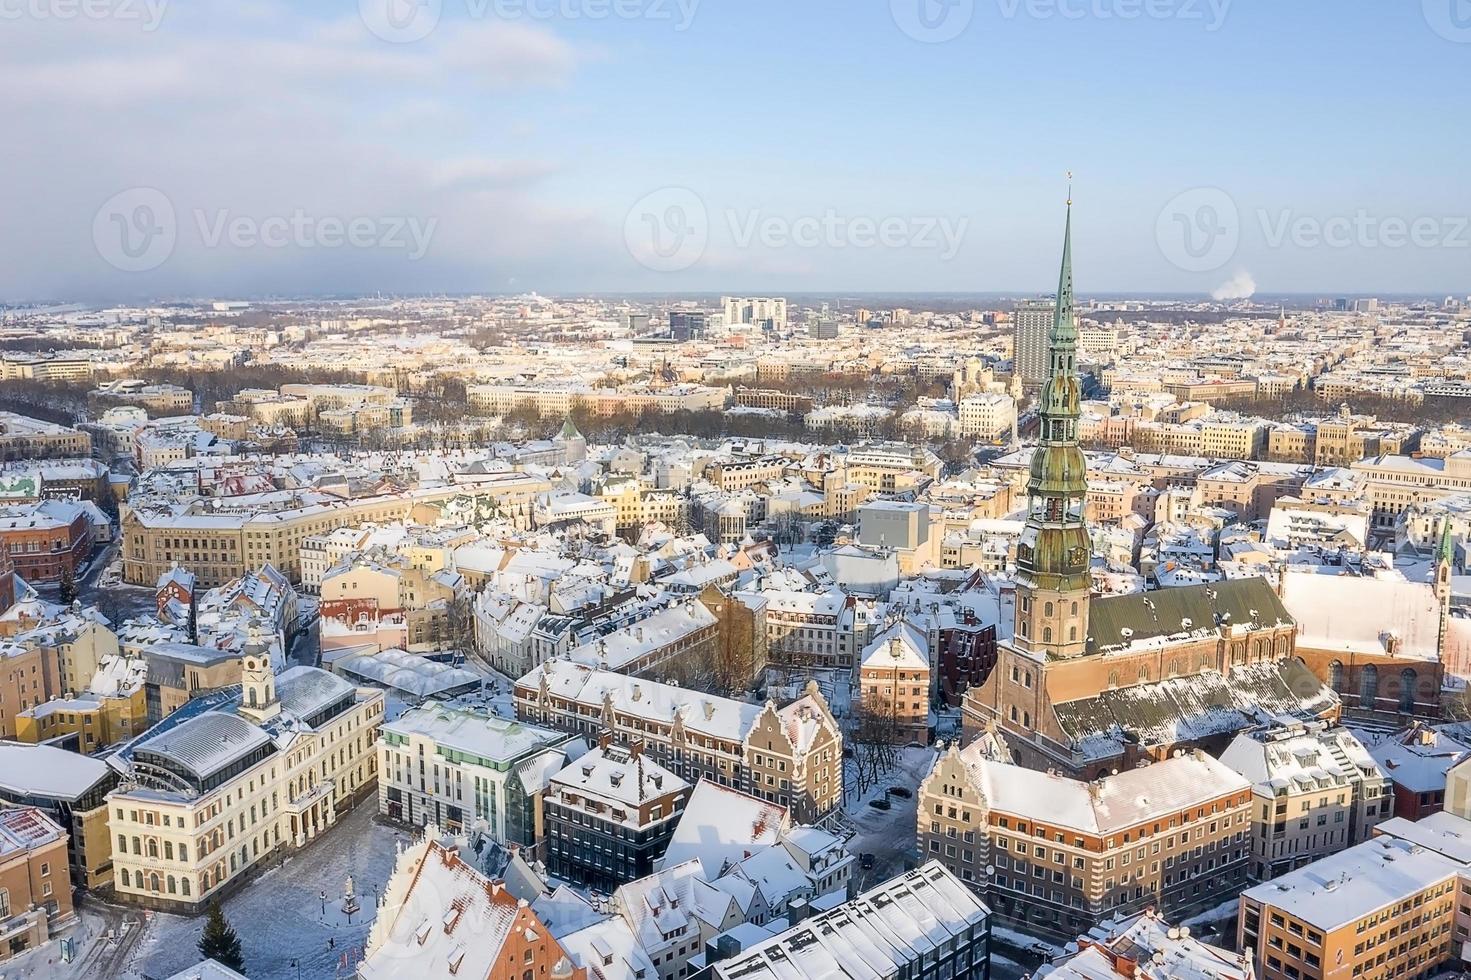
x=250, y=148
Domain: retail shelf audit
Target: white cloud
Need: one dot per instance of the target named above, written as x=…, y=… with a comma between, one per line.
x=1240, y=286
x=315, y=115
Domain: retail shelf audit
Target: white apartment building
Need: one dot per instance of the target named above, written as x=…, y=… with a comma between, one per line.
x=740, y=310
x=1316, y=791
x=460, y=768
x=989, y=417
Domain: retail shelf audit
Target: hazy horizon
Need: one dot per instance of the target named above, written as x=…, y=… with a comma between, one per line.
x=577, y=147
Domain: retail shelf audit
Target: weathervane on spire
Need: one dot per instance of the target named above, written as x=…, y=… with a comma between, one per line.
x=1069, y=188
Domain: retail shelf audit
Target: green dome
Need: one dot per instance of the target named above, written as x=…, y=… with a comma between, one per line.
x=1058, y=470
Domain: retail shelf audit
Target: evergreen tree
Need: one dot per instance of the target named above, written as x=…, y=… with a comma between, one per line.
x=219, y=942
x=69, y=590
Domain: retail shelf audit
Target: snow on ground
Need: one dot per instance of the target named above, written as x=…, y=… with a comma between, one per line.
x=1021, y=940
x=279, y=917
x=889, y=835
x=496, y=694
x=44, y=962
x=1226, y=910
x=1006, y=968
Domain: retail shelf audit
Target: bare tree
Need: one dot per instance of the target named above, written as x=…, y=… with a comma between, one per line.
x=875, y=741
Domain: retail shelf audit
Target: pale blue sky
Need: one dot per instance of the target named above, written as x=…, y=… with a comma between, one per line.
x=1331, y=137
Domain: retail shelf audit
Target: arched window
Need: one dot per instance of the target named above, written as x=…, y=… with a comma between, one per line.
x=1072, y=634
x=152, y=848
x=184, y=884
x=1368, y=686
x=1075, y=607
x=153, y=882
x=1335, y=676
x=1113, y=678
x=172, y=884
x=1144, y=675
x=1408, y=680
x=1047, y=634
x=125, y=877
x=122, y=844
x=1047, y=610
x=183, y=852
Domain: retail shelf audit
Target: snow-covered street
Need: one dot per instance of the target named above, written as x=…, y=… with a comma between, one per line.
x=279, y=916
x=889, y=835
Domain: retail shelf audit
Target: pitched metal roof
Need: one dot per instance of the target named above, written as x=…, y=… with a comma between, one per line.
x=1118, y=621
x=1195, y=707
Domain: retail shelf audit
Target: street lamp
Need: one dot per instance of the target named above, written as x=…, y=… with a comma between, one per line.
x=324, y=903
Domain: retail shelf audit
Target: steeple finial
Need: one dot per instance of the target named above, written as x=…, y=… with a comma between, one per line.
x=1064, y=333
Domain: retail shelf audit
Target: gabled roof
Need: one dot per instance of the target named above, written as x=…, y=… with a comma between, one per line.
x=723, y=826
x=1193, y=707
x=449, y=920
x=1116, y=622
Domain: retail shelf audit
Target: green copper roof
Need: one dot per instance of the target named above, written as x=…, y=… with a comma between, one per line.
x=1064, y=328
x=1118, y=620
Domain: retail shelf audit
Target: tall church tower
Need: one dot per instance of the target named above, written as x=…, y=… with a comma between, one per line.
x=1052, y=557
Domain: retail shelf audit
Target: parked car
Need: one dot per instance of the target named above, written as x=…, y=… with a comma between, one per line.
x=902, y=792
x=881, y=804
x=865, y=861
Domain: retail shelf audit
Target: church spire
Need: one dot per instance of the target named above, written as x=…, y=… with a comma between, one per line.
x=1064, y=323
x=1053, y=555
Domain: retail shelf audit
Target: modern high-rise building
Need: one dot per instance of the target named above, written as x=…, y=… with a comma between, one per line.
x=688, y=324
x=824, y=329
x=1031, y=325
x=768, y=313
